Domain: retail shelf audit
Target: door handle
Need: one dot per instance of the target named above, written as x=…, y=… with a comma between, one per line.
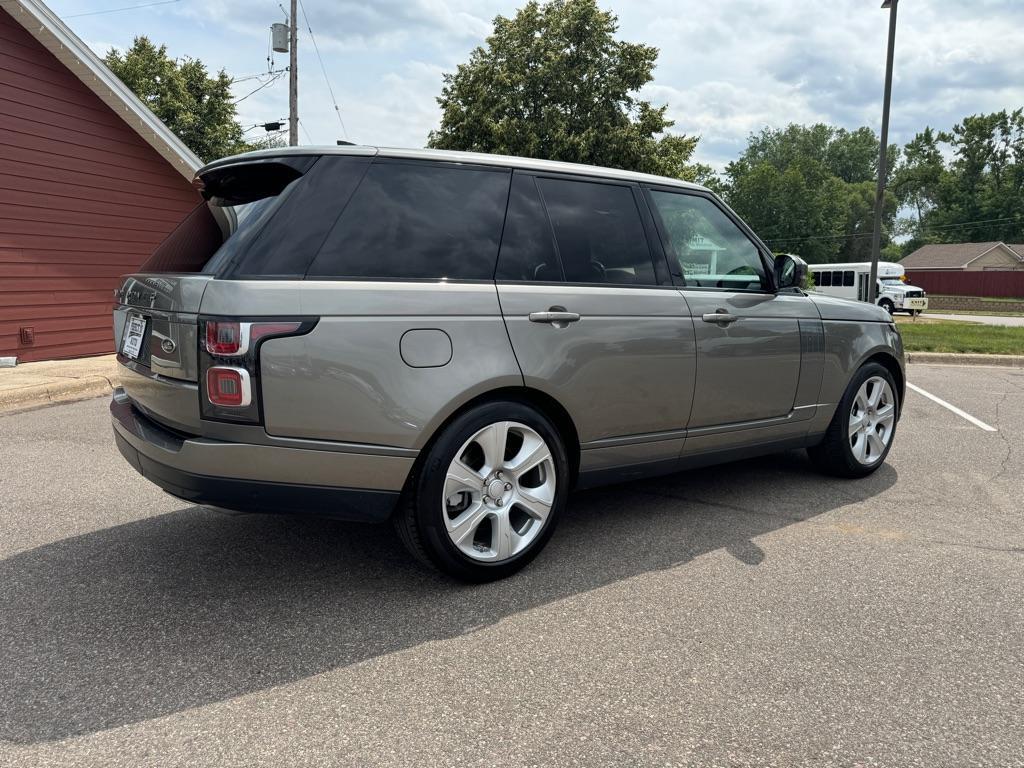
x=557, y=316
x=721, y=317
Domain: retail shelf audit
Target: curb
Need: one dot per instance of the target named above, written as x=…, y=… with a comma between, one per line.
x=64, y=391
x=957, y=358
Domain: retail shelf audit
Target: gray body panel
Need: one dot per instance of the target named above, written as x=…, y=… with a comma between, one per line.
x=348, y=381
x=749, y=369
x=626, y=368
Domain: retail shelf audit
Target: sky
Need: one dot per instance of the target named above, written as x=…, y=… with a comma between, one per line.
x=725, y=69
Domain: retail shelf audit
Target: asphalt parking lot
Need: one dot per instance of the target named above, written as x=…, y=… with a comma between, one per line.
x=749, y=614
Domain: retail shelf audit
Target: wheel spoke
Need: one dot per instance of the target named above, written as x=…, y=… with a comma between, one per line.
x=461, y=477
x=532, y=452
x=861, y=401
x=464, y=526
x=492, y=441
x=875, y=393
x=859, y=446
x=856, y=421
x=877, y=447
x=536, y=502
x=501, y=535
x=886, y=415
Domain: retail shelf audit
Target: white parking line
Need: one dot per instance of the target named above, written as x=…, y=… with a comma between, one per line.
x=953, y=408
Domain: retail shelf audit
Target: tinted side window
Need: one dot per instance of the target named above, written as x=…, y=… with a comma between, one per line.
x=295, y=230
x=598, y=231
x=826, y=279
x=527, y=245
x=711, y=250
x=418, y=220
x=848, y=278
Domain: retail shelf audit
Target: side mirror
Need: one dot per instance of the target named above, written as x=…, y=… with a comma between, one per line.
x=790, y=271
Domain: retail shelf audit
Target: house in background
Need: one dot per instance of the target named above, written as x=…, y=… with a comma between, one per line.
x=967, y=257
x=90, y=183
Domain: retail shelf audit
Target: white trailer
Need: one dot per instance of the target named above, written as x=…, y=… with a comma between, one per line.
x=850, y=281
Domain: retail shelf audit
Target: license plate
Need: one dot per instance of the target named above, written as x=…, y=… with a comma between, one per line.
x=134, y=334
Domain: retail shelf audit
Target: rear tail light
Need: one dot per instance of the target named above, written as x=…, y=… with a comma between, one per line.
x=231, y=339
x=224, y=339
x=228, y=387
x=229, y=365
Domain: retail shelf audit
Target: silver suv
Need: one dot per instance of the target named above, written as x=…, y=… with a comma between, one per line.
x=454, y=341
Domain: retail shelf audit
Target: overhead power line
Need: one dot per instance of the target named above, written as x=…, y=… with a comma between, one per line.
x=118, y=10
x=316, y=48
x=271, y=81
x=857, y=235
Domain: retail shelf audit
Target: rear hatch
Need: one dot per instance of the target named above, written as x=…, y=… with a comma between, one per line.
x=157, y=312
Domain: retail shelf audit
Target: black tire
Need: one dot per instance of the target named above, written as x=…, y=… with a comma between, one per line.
x=419, y=518
x=834, y=455
x=888, y=306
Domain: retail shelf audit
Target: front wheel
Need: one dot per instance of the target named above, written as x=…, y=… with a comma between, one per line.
x=888, y=306
x=862, y=430
x=485, y=499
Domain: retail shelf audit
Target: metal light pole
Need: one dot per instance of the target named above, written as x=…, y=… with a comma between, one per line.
x=876, y=234
x=293, y=78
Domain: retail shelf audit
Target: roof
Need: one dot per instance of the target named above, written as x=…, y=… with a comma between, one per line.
x=884, y=267
x=80, y=60
x=444, y=155
x=952, y=255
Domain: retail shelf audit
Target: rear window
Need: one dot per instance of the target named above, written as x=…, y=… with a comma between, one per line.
x=418, y=220
x=189, y=246
x=240, y=200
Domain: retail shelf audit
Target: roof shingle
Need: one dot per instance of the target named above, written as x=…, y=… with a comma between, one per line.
x=946, y=255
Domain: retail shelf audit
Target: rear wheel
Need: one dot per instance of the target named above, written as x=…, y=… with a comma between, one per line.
x=485, y=499
x=862, y=430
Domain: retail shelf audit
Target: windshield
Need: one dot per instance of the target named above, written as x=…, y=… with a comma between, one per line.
x=892, y=281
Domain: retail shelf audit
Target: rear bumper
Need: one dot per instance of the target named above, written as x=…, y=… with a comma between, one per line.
x=251, y=478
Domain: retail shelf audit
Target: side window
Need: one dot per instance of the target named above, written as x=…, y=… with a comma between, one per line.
x=527, y=246
x=817, y=277
x=711, y=250
x=826, y=279
x=848, y=278
x=418, y=220
x=598, y=231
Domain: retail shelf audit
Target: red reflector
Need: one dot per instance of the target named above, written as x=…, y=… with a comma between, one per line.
x=223, y=338
x=228, y=387
x=258, y=330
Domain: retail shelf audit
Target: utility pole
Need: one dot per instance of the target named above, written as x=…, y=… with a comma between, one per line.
x=883, y=155
x=293, y=77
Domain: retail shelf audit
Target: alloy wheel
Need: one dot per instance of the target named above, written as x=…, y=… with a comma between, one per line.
x=498, y=491
x=872, y=420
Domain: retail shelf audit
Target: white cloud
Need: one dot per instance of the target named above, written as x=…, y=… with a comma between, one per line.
x=725, y=69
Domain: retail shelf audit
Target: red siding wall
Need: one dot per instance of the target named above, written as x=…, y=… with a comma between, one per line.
x=990, y=283
x=83, y=200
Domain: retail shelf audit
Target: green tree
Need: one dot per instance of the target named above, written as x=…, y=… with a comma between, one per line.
x=198, y=108
x=810, y=190
x=978, y=194
x=553, y=82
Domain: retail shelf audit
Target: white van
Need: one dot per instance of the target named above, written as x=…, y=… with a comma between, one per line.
x=850, y=281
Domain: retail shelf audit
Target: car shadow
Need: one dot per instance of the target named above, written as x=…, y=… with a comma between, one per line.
x=193, y=607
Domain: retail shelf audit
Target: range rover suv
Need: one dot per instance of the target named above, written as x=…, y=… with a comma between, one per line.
x=454, y=341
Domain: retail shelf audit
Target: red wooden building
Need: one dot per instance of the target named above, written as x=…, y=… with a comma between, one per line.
x=90, y=182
